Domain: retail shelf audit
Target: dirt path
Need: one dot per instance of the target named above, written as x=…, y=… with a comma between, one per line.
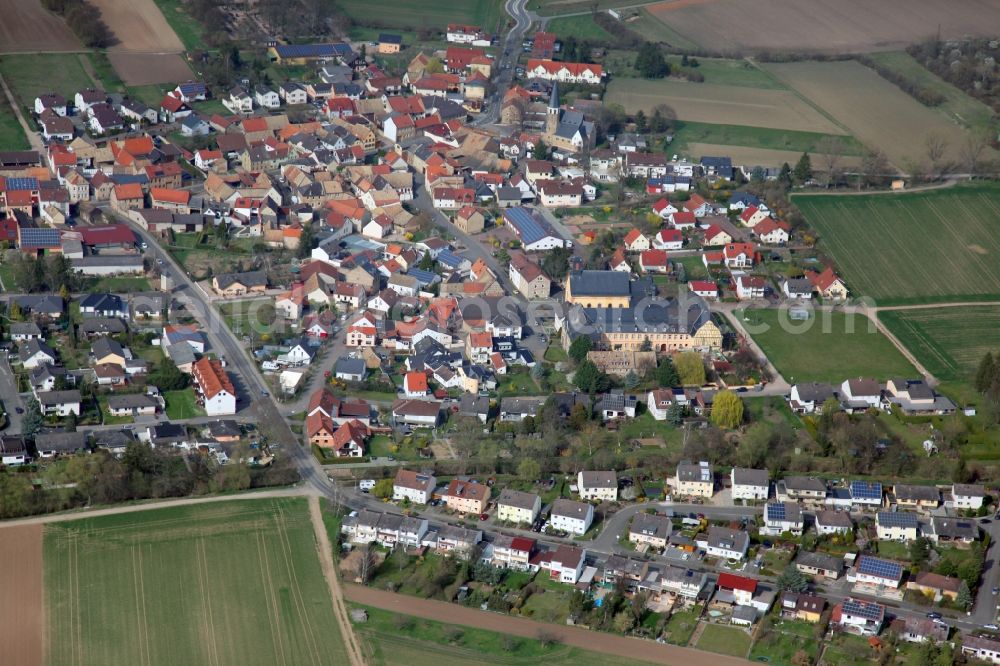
x=88, y=67
x=884, y=330
x=151, y=506
x=351, y=643
x=841, y=193
x=925, y=306
x=617, y=646
x=22, y=617
x=33, y=139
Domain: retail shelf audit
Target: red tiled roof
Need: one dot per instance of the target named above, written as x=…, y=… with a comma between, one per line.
x=212, y=378
x=730, y=581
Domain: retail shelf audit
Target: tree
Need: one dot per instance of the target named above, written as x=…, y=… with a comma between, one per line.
x=727, y=410
x=168, y=377
x=664, y=117
x=32, y=422
x=793, y=580
x=640, y=122
x=383, y=489
x=831, y=151
x=971, y=151
x=935, y=146
x=875, y=169
x=964, y=598
x=578, y=348
x=306, y=242
x=631, y=380
x=578, y=416
x=14, y=311
x=624, y=621
x=427, y=262
x=556, y=262
x=364, y=563
x=529, y=469
x=985, y=375
x=541, y=151
x=803, y=169
x=675, y=414
x=690, y=368
x=920, y=550
x=785, y=175
x=650, y=62
x=590, y=379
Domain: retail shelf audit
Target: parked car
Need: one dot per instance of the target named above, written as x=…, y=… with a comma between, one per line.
x=369, y=484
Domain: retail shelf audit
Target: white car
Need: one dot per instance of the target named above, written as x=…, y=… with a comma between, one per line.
x=366, y=484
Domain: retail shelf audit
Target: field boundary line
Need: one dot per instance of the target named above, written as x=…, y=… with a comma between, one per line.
x=354, y=652
x=315, y=654
x=271, y=597
x=203, y=578
x=802, y=96
x=296, y=491
x=139, y=619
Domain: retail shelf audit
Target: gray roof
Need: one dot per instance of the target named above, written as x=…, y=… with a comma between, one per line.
x=25, y=328
x=104, y=346
x=955, y=528
x=804, y=483
x=570, y=508
x=130, y=401
x=968, y=490
x=820, y=561
x=725, y=538
x=599, y=479
x=102, y=325
x=31, y=347
x=517, y=499
x=599, y=283
x=744, y=476
x=834, y=519
x=471, y=404
x=651, y=525
x=180, y=353
x=61, y=441
x=652, y=315
x=687, y=471
x=799, y=286
x=815, y=391
x=59, y=397
x=904, y=491
x=529, y=406
x=350, y=366
x=248, y=279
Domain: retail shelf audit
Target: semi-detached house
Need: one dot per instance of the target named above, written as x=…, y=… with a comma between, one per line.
x=214, y=387
x=514, y=506
x=417, y=487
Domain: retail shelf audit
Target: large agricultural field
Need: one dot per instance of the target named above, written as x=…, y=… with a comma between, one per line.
x=874, y=110
x=236, y=582
x=821, y=25
x=21, y=617
x=938, y=245
x=828, y=347
x=949, y=342
x=31, y=75
x=414, y=14
x=723, y=104
x=27, y=27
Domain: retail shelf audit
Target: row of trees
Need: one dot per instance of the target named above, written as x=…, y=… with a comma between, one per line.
x=141, y=473
x=51, y=273
x=84, y=20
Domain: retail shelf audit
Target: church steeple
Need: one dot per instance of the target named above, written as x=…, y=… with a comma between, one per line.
x=552, y=117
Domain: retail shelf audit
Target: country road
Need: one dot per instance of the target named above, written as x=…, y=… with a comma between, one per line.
x=609, y=644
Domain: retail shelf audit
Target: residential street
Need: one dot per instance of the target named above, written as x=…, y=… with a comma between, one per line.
x=10, y=397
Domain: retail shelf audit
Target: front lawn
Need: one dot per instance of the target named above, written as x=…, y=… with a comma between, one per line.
x=182, y=404
x=783, y=642
x=828, y=347
x=119, y=285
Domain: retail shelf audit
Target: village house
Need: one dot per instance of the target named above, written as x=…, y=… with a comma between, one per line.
x=514, y=506
x=724, y=542
x=214, y=386
x=749, y=484
x=694, y=479
x=572, y=517
x=819, y=565
x=650, y=529
x=466, y=496
x=415, y=487
x=600, y=486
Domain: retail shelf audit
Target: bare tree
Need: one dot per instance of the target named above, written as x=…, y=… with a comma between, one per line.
x=935, y=146
x=364, y=563
x=831, y=154
x=875, y=169
x=547, y=638
x=971, y=152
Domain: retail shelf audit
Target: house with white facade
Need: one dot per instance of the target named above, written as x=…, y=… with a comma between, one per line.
x=600, y=486
x=572, y=517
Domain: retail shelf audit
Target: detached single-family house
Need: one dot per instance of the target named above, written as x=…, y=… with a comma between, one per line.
x=467, y=496
x=726, y=543
x=856, y=616
x=572, y=517
x=694, y=480
x=417, y=487
x=600, y=486
x=750, y=484
x=514, y=506
x=650, y=529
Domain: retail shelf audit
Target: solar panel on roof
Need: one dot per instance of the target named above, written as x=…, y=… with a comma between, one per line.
x=22, y=184
x=776, y=511
x=863, y=609
x=866, y=490
x=873, y=566
x=896, y=519
x=40, y=237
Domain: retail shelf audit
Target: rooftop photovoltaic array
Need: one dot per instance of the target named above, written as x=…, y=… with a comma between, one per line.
x=866, y=490
x=873, y=566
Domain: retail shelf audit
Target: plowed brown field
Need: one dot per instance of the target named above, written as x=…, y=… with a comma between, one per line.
x=26, y=27
x=21, y=613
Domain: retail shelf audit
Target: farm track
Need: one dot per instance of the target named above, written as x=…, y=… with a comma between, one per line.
x=325, y=548
x=614, y=646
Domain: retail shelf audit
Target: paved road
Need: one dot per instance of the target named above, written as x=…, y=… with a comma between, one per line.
x=10, y=397
x=474, y=250
x=506, y=62
x=609, y=644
